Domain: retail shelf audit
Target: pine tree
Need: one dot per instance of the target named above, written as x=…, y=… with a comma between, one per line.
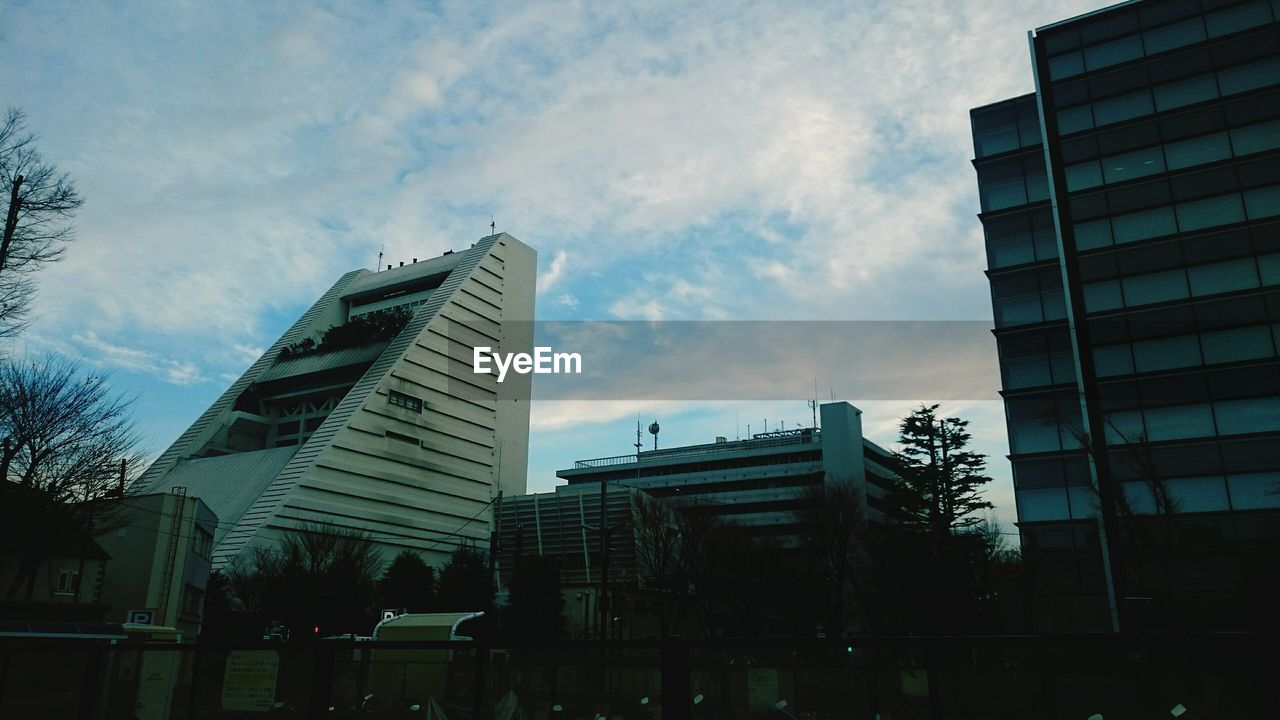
x=939, y=486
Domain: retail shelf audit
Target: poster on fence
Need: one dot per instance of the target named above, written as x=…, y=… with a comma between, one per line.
x=249, y=681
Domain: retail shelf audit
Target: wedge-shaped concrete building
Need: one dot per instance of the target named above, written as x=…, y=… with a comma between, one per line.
x=366, y=414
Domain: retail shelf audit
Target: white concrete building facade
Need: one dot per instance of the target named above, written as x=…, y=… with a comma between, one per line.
x=379, y=427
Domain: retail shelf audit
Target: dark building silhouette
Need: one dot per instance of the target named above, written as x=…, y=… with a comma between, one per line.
x=1131, y=208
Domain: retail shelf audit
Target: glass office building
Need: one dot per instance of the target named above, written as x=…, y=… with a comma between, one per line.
x=1131, y=208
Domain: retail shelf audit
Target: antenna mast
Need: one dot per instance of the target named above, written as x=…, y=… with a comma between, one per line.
x=813, y=404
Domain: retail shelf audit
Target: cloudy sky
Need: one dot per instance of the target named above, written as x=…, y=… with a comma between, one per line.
x=757, y=161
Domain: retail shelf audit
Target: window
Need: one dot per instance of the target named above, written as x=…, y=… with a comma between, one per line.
x=1269, y=269
x=1043, y=504
x=1173, y=36
x=401, y=437
x=405, y=401
x=1155, y=287
x=1256, y=138
x=1075, y=119
x=1198, y=151
x=1254, y=491
x=1263, y=202
x=1084, y=175
x=1223, y=277
x=1248, y=343
x=1093, y=234
x=1178, y=423
x=192, y=600
x=1239, y=417
x=68, y=582
x=1066, y=65
x=1198, y=494
x=1142, y=225
x=1248, y=77
x=1112, y=53
x=1102, y=296
x=1222, y=210
x=1123, y=428
x=1166, y=353
x=1186, y=92
x=1133, y=165
x=1121, y=108
x=1241, y=17
x=202, y=543
x=1112, y=360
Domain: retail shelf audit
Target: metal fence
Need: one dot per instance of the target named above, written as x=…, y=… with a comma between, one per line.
x=1075, y=678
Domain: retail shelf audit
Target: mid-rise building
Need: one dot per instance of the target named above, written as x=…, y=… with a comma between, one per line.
x=366, y=414
x=757, y=484
x=1131, y=208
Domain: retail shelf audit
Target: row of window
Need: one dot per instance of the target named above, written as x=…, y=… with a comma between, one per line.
x=1182, y=217
x=1197, y=281
x=1181, y=422
x=1259, y=239
x=1251, y=491
x=1020, y=238
x=1046, y=306
x=1189, y=388
x=1039, y=371
x=1005, y=127
x=1186, y=318
x=1040, y=436
x=1169, y=96
x=1125, y=21
x=1224, y=346
x=1174, y=156
x=1165, y=69
x=402, y=306
x=1163, y=39
x=1012, y=182
x=404, y=400
x=1232, y=457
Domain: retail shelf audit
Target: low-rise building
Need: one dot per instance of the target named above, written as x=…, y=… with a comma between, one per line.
x=161, y=547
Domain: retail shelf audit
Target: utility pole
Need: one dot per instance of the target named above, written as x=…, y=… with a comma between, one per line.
x=605, y=605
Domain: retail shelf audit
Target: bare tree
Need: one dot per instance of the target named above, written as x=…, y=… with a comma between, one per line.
x=65, y=438
x=64, y=432
x=835, y=515
x=37, y=226
x=670, y=552
x=316, y=576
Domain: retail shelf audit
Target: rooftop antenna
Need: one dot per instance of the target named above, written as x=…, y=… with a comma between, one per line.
x=638, y=444
x=493, y=225
x=813, y=403
x=380, y=249
x=737, y=428
x=653, y=430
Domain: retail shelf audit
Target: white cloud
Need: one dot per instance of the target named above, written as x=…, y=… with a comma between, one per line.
x=729, y=160
x=171, y=370
x=555, y=271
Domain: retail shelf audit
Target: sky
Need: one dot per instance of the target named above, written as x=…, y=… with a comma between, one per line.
x=667, y=160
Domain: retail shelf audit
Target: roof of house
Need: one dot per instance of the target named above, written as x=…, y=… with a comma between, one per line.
x=228, y=484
